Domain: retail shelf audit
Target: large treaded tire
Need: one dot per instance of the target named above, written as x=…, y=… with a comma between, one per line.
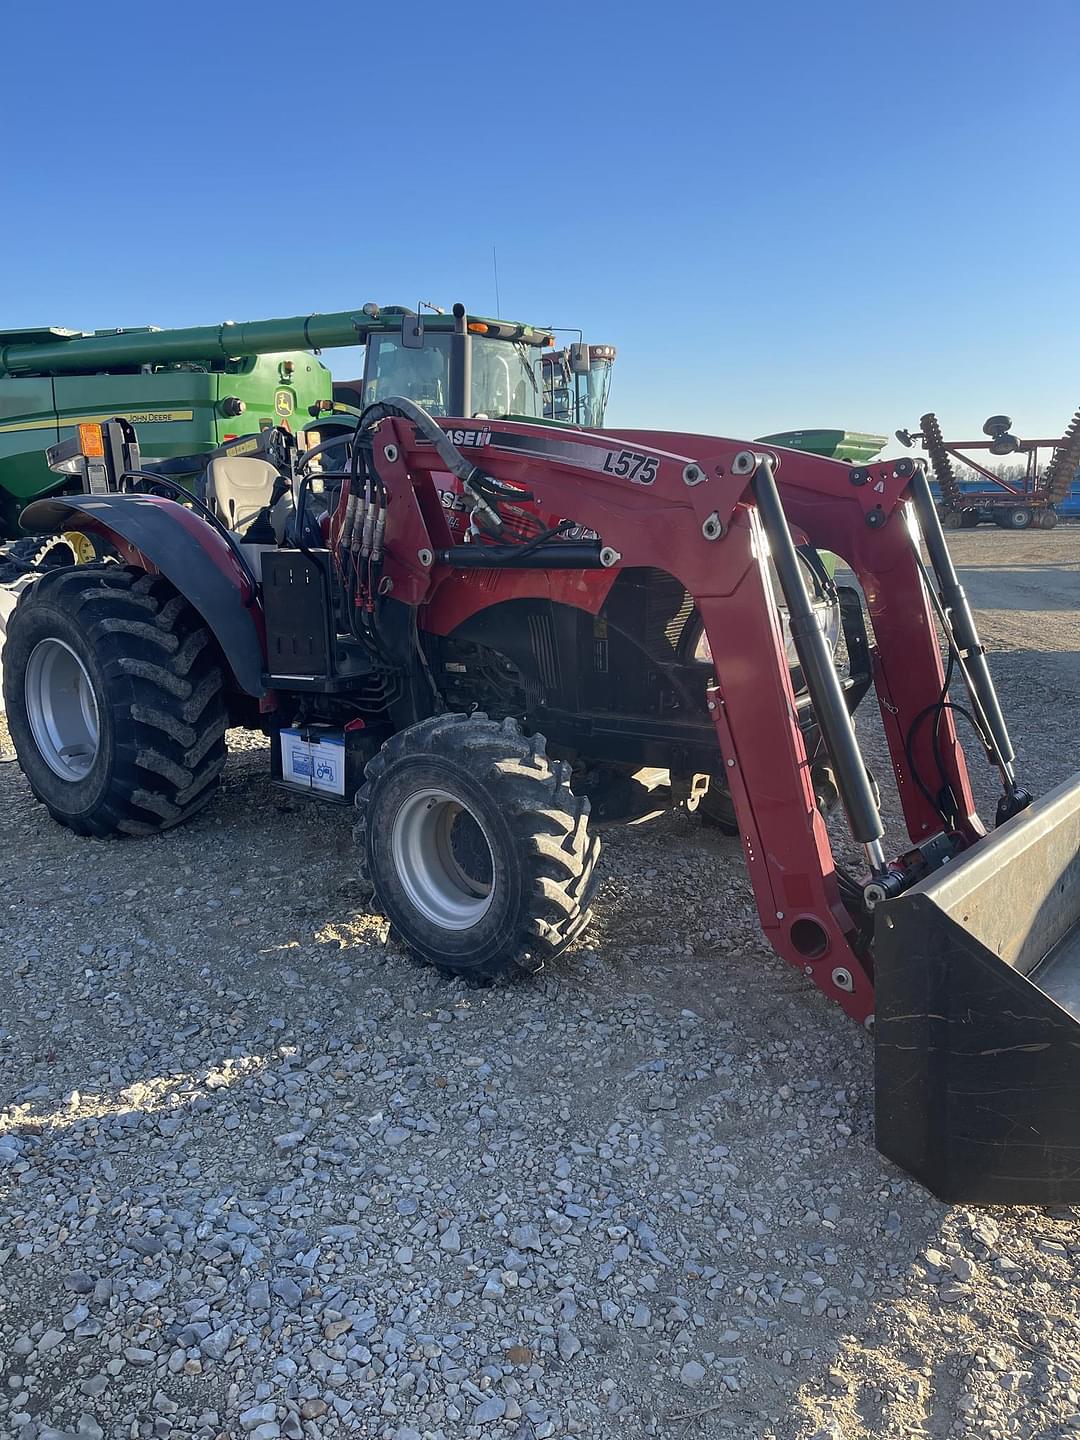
x=159, y=690
x=542, y=856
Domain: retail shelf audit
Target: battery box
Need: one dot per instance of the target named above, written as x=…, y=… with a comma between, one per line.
x=321, y=761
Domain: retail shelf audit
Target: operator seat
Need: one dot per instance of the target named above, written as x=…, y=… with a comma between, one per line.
x=238, y=488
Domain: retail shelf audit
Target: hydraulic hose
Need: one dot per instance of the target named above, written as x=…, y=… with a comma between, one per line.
x=428, y=427
x=470, y=475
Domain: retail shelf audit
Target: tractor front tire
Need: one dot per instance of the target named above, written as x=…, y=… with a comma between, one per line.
x=478, y=852
x=115, y=700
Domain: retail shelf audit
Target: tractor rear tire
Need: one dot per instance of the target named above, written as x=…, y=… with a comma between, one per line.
x=115, y=700
x=478, y=852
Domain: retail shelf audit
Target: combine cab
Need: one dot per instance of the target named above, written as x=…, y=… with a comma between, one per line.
x=577, y=382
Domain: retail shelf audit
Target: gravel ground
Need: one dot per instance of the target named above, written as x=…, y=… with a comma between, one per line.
x=261, y=1175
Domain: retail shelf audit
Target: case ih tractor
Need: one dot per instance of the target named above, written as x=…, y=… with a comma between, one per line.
x=477, y=625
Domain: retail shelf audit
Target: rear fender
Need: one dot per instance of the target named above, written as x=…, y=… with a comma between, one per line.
x=167, y=538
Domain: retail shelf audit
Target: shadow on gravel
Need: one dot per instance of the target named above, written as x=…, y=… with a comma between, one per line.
x=202, y=1024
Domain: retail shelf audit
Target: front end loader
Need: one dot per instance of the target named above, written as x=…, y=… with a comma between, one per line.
x=479, y=630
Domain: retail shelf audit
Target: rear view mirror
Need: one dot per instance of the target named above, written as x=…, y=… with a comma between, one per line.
x=579, y=359
x=412, y=332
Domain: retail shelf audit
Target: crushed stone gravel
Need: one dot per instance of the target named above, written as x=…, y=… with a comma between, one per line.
x=262, y=1176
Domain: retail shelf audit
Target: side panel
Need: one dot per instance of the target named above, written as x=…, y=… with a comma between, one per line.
x=27, y=428
x=176, y=412
x=165, y=537
x=173, y=411
x=272, y=392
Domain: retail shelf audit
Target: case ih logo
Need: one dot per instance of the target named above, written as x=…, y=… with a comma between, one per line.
x=469, y=437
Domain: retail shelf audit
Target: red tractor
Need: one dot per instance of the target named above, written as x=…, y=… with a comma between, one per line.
x=479, y=627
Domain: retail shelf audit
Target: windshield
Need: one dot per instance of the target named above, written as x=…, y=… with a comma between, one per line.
x=505, y=378
x=419, y=375
x=505, y=375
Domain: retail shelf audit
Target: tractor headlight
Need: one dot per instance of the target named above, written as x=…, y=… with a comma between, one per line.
x=826, y=612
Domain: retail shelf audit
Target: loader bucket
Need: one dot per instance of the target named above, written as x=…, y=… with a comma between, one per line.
x=977, y=975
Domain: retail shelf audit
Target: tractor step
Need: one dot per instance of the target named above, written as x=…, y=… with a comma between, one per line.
x=977, y=975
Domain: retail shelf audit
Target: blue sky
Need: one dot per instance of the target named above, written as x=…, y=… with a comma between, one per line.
x=783, y=215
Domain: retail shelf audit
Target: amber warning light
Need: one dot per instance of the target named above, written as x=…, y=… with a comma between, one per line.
x=91, y=440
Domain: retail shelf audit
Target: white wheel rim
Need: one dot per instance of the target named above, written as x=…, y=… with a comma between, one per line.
x=446, y=874
x=62, y=710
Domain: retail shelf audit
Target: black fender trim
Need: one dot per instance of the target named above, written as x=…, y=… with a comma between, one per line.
x=183, y=548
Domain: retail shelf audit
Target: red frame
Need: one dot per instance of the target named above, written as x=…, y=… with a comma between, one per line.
x=787, y=848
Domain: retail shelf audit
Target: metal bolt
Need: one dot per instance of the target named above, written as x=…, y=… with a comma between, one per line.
x=841, y=978
x=712, y=527
x=693, y=474
x=869, y=1022
x=426, y=557
x=609, y=557
x=731, y=763
x=712, y=705
x=808, y=969
x=779, y=914
x=391, y=453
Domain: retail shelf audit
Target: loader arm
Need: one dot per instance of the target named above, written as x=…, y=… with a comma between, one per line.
x=965, y=950
x=677, y=503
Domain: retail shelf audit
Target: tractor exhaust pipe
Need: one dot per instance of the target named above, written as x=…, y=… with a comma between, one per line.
x=822, y=681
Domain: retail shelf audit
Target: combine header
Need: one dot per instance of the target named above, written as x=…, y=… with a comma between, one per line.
x=477, y=628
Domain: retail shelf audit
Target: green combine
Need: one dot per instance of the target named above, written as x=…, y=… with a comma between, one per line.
x=191, y=391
